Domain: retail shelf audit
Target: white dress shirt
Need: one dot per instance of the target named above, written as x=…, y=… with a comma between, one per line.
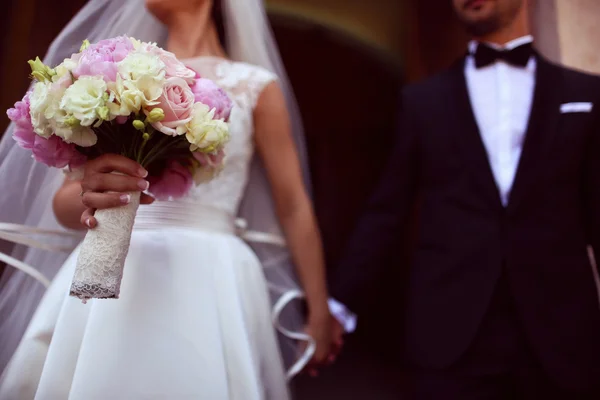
x=501, y=97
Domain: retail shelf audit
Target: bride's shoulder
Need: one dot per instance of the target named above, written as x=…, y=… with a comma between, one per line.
x=253, y=73
x=247, y=78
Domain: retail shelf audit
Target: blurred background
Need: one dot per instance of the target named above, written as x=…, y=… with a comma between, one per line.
x=347, y=60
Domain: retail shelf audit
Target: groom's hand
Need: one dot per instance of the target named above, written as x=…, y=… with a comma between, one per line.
x=101, y=188
x=337, y=335
x=326, y=355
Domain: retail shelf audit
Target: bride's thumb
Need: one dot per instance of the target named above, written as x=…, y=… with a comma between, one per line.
x=88, y=219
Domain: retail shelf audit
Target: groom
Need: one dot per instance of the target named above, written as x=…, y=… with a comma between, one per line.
x=501, y=154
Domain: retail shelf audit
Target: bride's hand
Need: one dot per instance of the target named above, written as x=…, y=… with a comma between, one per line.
x=101, y=189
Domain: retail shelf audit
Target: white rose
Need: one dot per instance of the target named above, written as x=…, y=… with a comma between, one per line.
x=41, y=100
x=63, y=69
x=204, y=132
x=83, y=99
x=68, y=128
x=83, y=136
x=146, y=71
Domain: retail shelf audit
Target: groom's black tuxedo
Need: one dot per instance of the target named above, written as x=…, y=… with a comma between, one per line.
x=468, y=241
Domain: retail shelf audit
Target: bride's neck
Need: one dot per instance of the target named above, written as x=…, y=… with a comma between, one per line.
x=194, y=35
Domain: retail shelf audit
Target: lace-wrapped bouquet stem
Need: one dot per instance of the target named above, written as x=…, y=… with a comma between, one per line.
x=126, y=97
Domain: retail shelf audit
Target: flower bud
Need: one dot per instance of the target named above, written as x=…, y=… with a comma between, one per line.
x=103, y=113
x=139, y=125
x=71, y=122
x=156, y=115
x=84, y=45
x=40, y=71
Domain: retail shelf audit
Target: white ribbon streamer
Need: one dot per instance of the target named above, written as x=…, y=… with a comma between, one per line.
x=283, y=301
x=15, y=233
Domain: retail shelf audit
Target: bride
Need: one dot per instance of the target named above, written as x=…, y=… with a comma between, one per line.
x=197, y=308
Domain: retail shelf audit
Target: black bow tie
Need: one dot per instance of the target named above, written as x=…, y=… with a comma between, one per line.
x=486, y=55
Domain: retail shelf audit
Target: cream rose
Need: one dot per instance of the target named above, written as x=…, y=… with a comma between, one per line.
x=127, y=99
x=83, y=136
x=205, y=133
x=146, y=71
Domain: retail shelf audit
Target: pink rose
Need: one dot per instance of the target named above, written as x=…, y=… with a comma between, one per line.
x=101, y=58
x=209, y=159
x=54, y=152
x=174, y=182
x=197, y=75
x=207, y=92
x=174, y=67
x=177, y=102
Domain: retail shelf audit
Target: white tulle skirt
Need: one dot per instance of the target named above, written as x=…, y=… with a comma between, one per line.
x=193, y=322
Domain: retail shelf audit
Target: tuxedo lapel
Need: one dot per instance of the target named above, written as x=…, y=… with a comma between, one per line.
x=542, y=126
x=469, y=140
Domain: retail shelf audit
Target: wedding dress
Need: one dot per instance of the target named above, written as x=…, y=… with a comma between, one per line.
x=193, y=320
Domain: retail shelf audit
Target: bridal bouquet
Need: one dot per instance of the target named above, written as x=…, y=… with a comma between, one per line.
x=131, y=98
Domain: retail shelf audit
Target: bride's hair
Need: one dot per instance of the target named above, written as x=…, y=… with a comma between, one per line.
x=217, y=17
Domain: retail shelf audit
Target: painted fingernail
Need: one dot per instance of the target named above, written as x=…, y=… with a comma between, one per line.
x=125, y=198
x=144, y=185
x=142, y=172
x=88, y=222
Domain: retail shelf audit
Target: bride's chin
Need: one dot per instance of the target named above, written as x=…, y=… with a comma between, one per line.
x=161, y=9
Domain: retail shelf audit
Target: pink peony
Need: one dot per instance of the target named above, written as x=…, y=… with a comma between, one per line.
x=23, y=134
x=19, y=114
x=101, y=58
x=54, y=152
x=177, y=102
x=174, y=182
x=207, y=92
x=25, y=138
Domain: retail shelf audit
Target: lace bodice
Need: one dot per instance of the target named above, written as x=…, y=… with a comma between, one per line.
x=243, y=83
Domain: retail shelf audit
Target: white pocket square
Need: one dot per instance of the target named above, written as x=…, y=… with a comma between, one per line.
x=576, y=107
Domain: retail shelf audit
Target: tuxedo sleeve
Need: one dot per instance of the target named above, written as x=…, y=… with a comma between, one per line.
x=592, y=189
x=378, y=231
